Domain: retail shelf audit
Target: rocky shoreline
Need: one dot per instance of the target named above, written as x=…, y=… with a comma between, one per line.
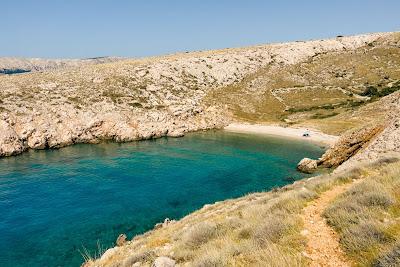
x=84, y=128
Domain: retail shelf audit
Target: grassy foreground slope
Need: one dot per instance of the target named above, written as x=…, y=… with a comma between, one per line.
x=367, y=218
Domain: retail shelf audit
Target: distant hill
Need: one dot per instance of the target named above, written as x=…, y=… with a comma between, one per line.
x=14, y=65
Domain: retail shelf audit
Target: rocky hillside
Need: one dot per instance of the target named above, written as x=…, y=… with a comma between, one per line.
x=292, y=83
x=321, y=91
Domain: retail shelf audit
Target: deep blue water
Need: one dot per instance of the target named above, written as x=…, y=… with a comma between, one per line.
x=55, y=202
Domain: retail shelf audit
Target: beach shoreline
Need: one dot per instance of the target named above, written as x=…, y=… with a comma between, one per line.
x=314, y=136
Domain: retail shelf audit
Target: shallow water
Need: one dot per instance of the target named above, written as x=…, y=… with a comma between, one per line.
x=54, y=203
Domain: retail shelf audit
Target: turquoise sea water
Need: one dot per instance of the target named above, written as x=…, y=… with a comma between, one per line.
x=55, y=202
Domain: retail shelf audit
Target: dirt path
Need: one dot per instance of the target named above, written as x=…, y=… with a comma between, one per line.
x=323, y=243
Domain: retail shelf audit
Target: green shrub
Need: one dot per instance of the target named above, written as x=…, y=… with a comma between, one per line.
x=370, y=91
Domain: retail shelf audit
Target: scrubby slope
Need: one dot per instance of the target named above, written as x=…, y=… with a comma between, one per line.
x=322, y=91
x=367, y=218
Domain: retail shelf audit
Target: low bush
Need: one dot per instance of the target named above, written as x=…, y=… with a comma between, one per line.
x=145, y=256
x=272, y=230
x=210, y=259
x=363, y=237
x=200, y=234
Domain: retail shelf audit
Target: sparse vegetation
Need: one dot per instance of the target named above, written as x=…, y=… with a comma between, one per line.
x=327, y=81
x=366, y=217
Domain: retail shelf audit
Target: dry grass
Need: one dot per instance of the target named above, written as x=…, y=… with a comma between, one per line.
x=367, y=217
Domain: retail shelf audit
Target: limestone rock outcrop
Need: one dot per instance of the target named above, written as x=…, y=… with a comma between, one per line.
x=307, y=165
x=348, y=145
x=10, y=143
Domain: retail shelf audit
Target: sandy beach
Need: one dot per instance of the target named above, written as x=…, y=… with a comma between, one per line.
x=287, y=132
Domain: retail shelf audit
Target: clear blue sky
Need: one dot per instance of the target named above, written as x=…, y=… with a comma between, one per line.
x=89, y=28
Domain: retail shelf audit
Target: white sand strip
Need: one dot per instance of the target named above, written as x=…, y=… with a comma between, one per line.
x=287, y=132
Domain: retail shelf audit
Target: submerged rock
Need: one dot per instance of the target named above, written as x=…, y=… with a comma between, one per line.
x=307, y=165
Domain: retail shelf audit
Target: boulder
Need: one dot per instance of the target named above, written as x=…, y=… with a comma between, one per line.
x=10, y=144
x=108, y=254
x=349, y=144
x=176, y=133
x=307, y=165
x=121, y=240
x=163, y=262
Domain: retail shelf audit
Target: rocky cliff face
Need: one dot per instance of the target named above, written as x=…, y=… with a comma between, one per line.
x=386, y=143
x=137, y=99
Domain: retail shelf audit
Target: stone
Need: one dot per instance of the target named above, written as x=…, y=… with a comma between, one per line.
x=163, y=262
x=121, y=240
x=176, y=133
x=307, y=165
x=108, y=254
x=10, y=144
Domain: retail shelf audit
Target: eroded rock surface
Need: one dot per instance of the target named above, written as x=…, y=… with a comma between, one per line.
x=348, y=145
